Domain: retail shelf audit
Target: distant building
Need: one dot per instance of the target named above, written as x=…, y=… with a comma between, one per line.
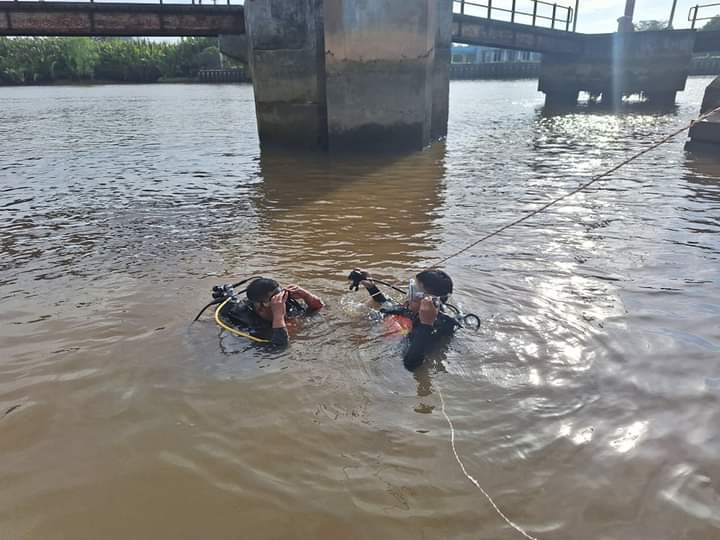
x=490, y=55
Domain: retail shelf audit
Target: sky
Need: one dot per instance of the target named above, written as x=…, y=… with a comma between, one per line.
x=600, y=16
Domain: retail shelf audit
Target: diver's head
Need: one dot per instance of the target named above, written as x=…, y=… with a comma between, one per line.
x=433, y=283
x=259, y=294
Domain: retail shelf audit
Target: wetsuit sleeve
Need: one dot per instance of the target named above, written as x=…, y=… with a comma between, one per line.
x=420, y=340
x=314, y=303
x=376, y=294
x=280, y=337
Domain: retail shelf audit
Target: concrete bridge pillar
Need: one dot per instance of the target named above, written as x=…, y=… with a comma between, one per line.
x=705, y=135
x=286, y=51
x=654, y=64
x=349, y=74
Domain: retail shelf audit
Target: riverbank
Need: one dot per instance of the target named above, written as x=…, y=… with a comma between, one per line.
x=81, y=84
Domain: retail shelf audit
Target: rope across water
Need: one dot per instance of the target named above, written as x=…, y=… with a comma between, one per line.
x=535, y=212
x=577, y=190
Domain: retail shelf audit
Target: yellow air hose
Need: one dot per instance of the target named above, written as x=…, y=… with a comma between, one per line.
x=233, y=330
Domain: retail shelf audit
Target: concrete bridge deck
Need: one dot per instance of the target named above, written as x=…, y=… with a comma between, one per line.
x=473, y=30
x=119, y=19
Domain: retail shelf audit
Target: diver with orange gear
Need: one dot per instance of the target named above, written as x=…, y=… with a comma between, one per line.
x=422, y=315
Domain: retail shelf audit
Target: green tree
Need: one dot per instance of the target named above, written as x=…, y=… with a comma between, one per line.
x=209, y=58
x=645, y=26
x=80, y=55
x=712, y=24
x=129, y=61
x=32, y=60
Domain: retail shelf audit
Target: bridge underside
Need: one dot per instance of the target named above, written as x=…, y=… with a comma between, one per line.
x=116, y=19
x=707, y=41
x=472, y=30
x=504, y=35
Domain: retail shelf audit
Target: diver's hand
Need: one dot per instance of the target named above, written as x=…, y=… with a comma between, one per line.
x=297, y=292
x=277, y=305
x=367, y=280
x=313, y=302
x=428, y=311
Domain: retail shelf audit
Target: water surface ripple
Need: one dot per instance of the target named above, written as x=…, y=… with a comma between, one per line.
x=588, y=405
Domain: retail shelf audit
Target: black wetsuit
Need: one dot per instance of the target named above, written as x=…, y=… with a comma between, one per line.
x=241, y=315
x=422, y=337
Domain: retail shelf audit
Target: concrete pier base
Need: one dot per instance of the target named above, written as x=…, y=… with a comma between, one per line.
x=706, y=134
x=286, y=44
x=441, y=70
x=652, y=64
x=349, y=75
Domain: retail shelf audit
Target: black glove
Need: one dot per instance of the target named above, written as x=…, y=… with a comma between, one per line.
x=356, y=276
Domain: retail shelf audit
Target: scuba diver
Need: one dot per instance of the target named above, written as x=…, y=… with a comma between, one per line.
x=424, y=313
x=263, y=315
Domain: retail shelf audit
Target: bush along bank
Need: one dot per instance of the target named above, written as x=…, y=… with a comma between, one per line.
x=48, y=60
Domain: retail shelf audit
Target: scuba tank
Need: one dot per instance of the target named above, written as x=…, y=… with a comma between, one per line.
x=235, y=314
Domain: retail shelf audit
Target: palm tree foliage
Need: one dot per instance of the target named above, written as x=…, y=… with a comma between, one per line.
x=30, y=60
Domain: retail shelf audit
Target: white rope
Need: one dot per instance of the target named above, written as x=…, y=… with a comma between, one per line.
x=517, y=222
x=580, y=188
x=472, y=478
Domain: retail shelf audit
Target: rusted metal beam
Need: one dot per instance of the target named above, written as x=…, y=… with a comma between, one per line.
x=116, y=19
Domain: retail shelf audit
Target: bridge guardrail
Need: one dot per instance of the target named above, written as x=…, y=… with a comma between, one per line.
x=520, y=11
x=696, y=10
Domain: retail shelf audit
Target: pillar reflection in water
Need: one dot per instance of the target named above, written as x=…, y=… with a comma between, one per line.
x=703, y=179
x=334, y=213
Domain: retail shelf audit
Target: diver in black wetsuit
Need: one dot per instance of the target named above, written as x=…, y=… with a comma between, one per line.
x=426, y=294
x=268, y=307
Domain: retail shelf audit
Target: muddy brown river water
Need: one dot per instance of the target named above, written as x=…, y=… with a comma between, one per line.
x=588, y=405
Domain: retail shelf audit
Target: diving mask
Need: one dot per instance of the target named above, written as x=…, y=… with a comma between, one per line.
x=415, y=294
x=266, y=303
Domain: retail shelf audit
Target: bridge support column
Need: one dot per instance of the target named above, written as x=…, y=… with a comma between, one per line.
x=705, y=135
x=285, y=49
x=441, y=70
x=343, y=74
x=653, y=64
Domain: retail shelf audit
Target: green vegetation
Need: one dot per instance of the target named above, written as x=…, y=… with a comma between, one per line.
x=645, y=26
x=45, y=60
x=712, y=24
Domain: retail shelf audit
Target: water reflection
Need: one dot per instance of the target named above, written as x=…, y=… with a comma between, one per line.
x=703, y=177
x=632, y=106
x=340, y=212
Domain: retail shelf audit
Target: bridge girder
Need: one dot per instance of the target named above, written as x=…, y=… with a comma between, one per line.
x=118, y=19
x=504, y=35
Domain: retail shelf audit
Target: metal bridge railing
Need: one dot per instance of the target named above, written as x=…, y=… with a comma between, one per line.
x=695, y=11
x=533, y=12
